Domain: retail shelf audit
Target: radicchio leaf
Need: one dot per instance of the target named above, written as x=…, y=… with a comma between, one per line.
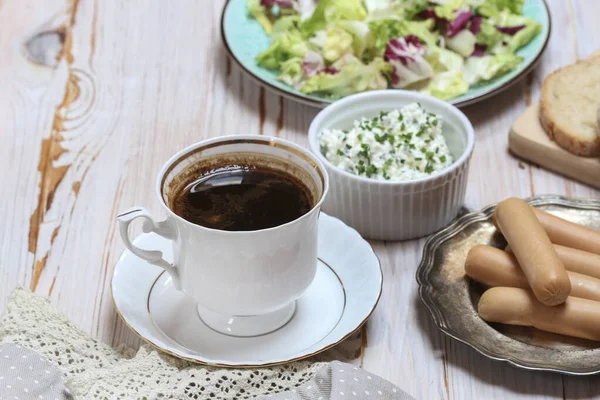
x=406, y=57
x=430, y=13
x=398, y=49
x=426, y=14
x=479, y=50
x=312, y=63
x=475, y=26
x=459, y=22
x=510, y=30
x=279, y=3
x=330, y=70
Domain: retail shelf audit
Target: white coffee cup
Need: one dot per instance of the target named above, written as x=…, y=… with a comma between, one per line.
x=244, y=282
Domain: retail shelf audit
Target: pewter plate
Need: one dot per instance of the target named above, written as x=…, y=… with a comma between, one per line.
x=452, y=298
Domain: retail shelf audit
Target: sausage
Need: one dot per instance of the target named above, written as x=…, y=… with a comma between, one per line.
x=576, y=260
x=531, y=246
x=494, y=267
x=569, y=234
x=579, y=261
x=575, y=317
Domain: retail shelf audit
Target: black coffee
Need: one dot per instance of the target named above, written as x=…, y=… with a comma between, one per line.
x=241, y=198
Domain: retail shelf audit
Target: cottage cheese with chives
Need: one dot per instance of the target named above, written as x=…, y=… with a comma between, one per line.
x=399, y=145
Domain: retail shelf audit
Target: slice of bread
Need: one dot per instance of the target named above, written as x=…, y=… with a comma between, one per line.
x=598, y=120
x=569, y=107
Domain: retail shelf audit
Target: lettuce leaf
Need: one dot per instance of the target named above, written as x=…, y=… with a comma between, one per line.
x=524, y=36
x=259, y=13
x=412, y=7
x=488, y=34
x=463, y=43
x=332, y=43
x=447, y=85
x=494, y=6
x=305, y=8
x=385, y=30
x=333, y=10
x=346, y=59
x=285, y=24
x=526, y=30
x=474, y=3
x=352, y=78
x=505, y=18
x=283, y=47
x=291, y=71
x=401, y=9
x=447, y=10
x=362, y=37
x=443, y=60
x=488, y=67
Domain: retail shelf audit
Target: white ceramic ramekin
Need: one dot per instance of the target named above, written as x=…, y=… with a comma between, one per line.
x=395, y=210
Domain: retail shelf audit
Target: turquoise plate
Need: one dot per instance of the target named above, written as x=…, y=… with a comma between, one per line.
x=244, y=38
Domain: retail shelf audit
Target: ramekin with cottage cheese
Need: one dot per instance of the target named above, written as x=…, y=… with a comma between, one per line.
x=397, y=145
x=397, y=160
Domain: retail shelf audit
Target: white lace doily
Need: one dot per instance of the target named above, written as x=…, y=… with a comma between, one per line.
x=96, y=371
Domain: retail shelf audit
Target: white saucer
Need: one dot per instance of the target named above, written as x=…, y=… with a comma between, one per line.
x=343, y=295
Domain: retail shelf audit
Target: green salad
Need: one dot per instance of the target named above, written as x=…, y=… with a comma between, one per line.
x=334, y=48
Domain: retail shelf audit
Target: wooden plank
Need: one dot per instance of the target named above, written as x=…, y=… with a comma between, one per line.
x=587, y=32
x=494, y=174
x=586, y=26
x=404, y=346
x=143, y=109
x=78, y=178
x=32, y=87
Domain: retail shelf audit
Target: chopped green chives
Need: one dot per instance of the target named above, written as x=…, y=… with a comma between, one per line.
x=371, y=170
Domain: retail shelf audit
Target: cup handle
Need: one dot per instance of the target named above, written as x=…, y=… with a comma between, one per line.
x=162, y=228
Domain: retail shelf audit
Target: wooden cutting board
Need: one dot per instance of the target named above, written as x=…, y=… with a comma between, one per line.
x=528, y=140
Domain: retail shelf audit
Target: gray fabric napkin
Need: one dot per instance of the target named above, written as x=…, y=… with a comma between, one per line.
x=341, y=381
x=25, y=375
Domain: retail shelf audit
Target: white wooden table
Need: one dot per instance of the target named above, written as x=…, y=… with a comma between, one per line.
x=96, y=95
